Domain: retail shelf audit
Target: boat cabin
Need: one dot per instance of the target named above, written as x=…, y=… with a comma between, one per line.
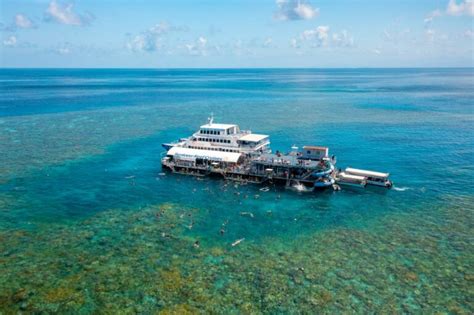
x=314, y=153
x=218, y=129
x=254, y=141
x=202, y=158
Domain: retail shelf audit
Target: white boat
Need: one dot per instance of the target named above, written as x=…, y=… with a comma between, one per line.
x=371, y=177
x=224, y=138
x=343, y=178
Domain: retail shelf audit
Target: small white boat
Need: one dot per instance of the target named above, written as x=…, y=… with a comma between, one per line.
x=371, y=177
x=343, y=178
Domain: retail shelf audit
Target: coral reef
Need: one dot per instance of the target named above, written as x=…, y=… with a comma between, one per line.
x=144, y=261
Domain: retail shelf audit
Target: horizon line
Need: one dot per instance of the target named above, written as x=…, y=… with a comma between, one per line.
x=223, y=68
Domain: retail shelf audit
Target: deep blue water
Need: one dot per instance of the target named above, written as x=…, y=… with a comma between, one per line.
x=72, y=139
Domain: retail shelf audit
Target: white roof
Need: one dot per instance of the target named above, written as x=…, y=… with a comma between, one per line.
x=217, y=126
x=359, y=172
x=253, y=137
x=349, y=176
x=192, y=154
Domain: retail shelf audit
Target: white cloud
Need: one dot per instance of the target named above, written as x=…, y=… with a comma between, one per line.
x=10, y=41
x=322, y=36
x=294, y=43
x=198, y=47
x=288, y=10
x=22, y=21
x=152, y=39
x=342, y=39
x=433, y=14
x=465, y=7
x=376, y=51
x=396, y=35
x=430, y=34
x=469, y=34
x=63, y=50
x=268, y=42
x=319, y=36
x=64, y=14
x=144, y=42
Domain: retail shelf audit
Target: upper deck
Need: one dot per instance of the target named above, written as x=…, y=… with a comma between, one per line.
x=227, y=138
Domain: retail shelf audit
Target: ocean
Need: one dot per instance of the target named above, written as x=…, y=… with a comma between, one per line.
x=88, y=222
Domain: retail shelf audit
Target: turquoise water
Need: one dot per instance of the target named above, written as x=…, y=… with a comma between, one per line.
x=87, y=222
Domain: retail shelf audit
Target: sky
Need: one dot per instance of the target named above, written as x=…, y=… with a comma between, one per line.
x=235, y=34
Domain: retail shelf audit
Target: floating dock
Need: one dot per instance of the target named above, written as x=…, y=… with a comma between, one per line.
x=225, y=151
x=286, y=169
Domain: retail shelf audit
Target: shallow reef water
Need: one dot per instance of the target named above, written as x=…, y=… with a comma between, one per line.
x=147, y=261
x=90, y=224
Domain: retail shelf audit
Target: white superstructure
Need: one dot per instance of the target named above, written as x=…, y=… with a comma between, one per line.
x=224, y=138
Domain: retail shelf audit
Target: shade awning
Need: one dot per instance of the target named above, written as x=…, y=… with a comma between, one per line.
x=192, y=154
x=359, y=172
x=350, y=176
x=253, y=137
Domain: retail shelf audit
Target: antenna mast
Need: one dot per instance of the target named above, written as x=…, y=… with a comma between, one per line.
x=210, y=119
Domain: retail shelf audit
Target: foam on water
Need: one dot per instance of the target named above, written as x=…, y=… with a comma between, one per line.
x=400, y=188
